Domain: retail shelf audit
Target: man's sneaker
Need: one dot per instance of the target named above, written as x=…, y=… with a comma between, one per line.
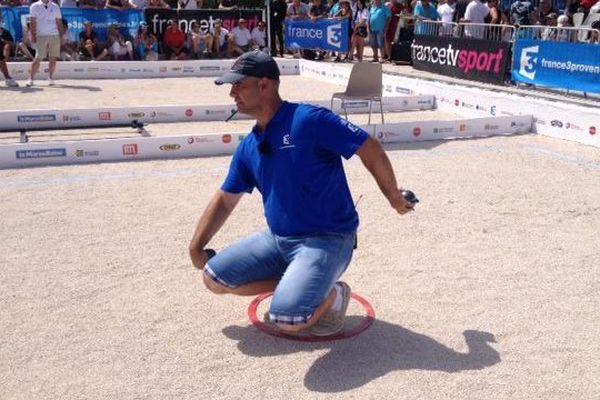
x=51, y=83
x=332, y=321
x=11, y=83
x=30, y=83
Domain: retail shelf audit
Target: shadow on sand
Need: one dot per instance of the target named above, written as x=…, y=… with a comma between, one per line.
x=383, y=348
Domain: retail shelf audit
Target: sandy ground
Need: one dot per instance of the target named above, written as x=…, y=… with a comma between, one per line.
x=490, y=290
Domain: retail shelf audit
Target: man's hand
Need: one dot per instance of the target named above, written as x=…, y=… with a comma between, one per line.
x=400, y=204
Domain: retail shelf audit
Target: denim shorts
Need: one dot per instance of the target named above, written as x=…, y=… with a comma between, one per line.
x=377, y=40
x=307, y=267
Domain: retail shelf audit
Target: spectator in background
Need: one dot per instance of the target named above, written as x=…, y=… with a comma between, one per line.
x=228, y=4
x=68, y=3
x=219, y=42
x=241, y=38
x=26, y=46
x=92, y=4
x=146, y=44
x=190, y=4
x=544, y=9
x=396, y=8
x=297, y=10
x=361, y=22
x=197, y=41
x=334, y=7
x=446, y=12
x=425, y=11
x=119, y=5
x=6, y=47
x=88, y=44
x=595, y=35
x=68, y=46
x=174, y=42
x=259, y=36
x=521, y=13
x=118, y=46
x=379, y=18
x=46, y=32
x=138, y=4
x=317, y=12
x=345, y=13
x=459, y=10
x=278, y=13
x=475, y=14
x=157, y=4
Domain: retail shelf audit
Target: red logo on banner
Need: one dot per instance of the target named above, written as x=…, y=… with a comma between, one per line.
x=189, y=112
x=592, y=130
x=226, y=138
x=130, y=149
x=104, y=116
x=417, y=131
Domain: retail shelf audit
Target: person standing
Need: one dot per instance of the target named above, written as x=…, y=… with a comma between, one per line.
x=277, y=16
x=293, y=157
x=46, y=33
x=379, y=19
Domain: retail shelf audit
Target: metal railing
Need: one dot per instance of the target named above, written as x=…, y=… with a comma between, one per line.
x=559, y=34
x=493, y=32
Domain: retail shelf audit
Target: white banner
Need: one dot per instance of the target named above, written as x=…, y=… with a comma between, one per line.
x=138, y=69
x=110, y=116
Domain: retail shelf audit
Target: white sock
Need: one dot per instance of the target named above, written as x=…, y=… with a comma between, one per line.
x=339, y=299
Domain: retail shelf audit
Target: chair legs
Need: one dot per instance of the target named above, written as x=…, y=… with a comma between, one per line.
x=370, y=107
x=381, y=109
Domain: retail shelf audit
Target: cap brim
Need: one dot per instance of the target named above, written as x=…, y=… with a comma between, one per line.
x=229, y=77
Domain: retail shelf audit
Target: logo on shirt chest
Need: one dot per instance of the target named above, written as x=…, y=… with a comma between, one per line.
x=287, y=142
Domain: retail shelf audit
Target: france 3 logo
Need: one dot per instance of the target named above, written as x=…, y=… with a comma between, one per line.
x=528, y=61
x=334, y=35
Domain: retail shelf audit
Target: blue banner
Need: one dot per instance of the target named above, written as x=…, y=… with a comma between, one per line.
x=325, y=34
x=15, y=19
x=574, y=66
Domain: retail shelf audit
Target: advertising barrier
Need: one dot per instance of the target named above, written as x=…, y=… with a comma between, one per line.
x=473, y=59
x=325, y=34
x=467, y=128
x=138, y=69
x=573, y=66
x=13, y=121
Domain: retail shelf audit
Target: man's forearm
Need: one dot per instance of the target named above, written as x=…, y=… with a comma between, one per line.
x=378, y=164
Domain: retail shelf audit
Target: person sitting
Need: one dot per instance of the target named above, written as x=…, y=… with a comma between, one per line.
x=241, y=38
x=174, y=42
x=157, y=4
x=259, y=36
x=190, y=4
x=297, y=10
x=118, y=47
x=146, y=44
x=119, y=5
x=27, y=47
x=68, y=46
x=89, y=48
x=6, y=48
x=219, y=42
x=197, y=41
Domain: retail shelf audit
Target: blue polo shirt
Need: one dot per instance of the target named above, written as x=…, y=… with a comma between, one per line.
x=296, y=166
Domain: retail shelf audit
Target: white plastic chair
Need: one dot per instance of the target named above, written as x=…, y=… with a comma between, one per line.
x=365, y=83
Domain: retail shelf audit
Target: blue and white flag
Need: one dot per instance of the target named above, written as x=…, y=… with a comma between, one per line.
x=325, y=34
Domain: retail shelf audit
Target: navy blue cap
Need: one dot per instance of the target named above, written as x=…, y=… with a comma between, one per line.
x=253, y=63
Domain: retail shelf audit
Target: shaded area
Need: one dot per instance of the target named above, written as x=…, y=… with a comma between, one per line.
x=384, y=348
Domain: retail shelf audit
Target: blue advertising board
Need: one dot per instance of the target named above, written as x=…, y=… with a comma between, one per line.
x=129, y=21
x=325, y=34
x=574, y=66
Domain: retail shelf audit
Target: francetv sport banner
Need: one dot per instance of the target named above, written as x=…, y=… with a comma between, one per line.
x=158, y=18
x=325, y=34
x=573, y=66
x=474, y=59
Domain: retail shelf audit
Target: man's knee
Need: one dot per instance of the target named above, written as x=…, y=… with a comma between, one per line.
x=213, y=286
